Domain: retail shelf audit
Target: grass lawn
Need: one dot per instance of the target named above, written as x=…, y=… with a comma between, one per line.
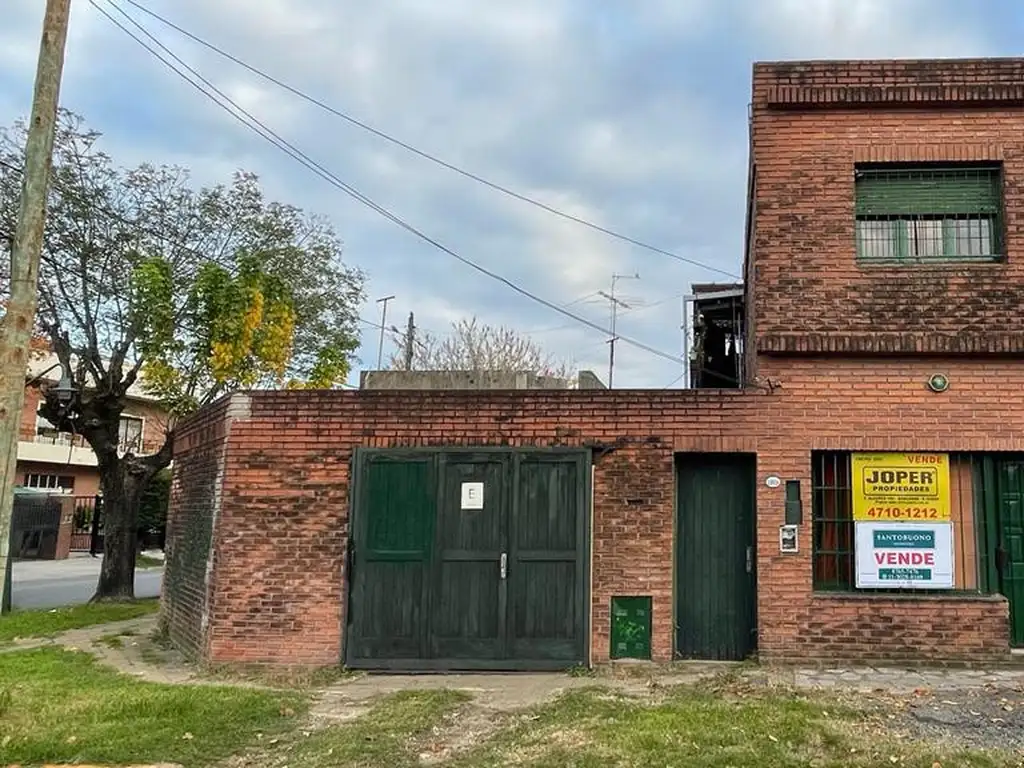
x=47, y=622
x=60, y=706
x=704, y=729
x=145, y=562
x=63, y=707
x=596, y=728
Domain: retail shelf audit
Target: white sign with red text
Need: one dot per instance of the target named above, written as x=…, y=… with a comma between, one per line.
x=904, y=555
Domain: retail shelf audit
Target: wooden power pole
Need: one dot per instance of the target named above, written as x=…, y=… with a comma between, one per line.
x=19, y=321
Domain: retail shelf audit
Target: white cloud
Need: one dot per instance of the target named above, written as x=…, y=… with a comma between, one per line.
x=864, y=29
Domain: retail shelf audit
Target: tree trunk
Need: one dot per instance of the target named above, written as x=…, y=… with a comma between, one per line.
x=122, y=492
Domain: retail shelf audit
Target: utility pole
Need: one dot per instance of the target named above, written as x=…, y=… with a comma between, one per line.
x=16, y=326
x=410, y=337
x=383, y=324
x=615, y=304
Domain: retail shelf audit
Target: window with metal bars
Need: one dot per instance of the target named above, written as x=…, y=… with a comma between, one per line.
x=832, y=512
x=834, y=567
x=927, y=213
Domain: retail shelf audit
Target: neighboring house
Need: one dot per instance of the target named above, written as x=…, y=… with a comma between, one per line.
x=843, y=481
x=475, y=380
x=58, y=462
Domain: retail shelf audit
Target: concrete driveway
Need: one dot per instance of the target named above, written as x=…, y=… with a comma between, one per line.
x=52, y=583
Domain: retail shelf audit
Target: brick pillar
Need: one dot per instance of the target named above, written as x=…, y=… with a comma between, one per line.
x=67, y=524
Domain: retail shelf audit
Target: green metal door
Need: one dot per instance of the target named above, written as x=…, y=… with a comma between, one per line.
x=547, y=560
x=715, y=574
x=389, y=563
x=469, y=596
x=1010, y=551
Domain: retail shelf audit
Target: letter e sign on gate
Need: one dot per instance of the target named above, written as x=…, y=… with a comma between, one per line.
x=472, y=495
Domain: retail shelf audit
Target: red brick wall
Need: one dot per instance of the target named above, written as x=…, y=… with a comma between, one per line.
x=811, y=123
x=284, y=515
x=875, y=404
x=191, y=526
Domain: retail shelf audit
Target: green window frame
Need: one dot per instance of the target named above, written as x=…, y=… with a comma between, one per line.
x=928, y=213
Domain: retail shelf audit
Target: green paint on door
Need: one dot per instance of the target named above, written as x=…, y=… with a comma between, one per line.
x=439, y=583
x=391, y=557
x=715, y=591
x=1009, y=558
x=631, y=628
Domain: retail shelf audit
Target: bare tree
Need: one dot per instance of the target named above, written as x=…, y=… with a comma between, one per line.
x=475, y=346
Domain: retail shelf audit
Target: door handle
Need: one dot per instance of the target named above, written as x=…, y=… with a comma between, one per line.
x=504, y=565
x=1000, y=559
x=750, y=559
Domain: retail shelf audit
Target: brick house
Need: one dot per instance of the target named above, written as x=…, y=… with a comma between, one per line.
x=876, y=354
x=53, y=463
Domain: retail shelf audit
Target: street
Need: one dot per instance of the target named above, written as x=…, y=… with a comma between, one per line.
x=52, y=583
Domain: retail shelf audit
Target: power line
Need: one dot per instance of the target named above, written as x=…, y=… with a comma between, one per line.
x=674, y=381
x=421, y=153
x=269, y=135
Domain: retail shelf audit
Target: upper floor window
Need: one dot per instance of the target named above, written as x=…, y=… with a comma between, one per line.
x=928, y=213
x=130, y=434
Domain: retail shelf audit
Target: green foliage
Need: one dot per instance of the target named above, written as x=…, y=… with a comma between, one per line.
x=153, y=306
x=154, y=503
x=148, y=281
x=208, y=289
x=688, y=726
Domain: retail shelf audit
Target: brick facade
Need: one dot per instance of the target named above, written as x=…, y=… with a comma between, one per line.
x=840, y=355
x=283, y=515
x=196, y=490
x=812, y=122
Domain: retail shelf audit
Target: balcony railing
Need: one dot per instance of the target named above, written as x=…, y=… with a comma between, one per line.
x=60, y=438
x=77, y=441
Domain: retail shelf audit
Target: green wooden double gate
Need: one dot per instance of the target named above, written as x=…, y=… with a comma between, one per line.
x=1002, y=534
x=468, y=560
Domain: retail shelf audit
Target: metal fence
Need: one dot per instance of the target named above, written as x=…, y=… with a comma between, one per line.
x=87, y=530
x=35, y=524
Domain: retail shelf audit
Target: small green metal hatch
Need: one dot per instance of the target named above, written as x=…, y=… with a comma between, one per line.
x=631, y=628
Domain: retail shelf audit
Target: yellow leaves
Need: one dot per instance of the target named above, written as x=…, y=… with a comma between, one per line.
x=251, y=338
x=274, y=342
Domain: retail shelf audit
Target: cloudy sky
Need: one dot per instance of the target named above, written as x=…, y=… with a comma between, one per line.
x=630, y=115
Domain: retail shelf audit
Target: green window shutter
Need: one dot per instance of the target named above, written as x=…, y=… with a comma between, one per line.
x=928, y=192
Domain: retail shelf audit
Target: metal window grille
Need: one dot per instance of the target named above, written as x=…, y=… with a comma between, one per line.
x=929, y=213
x=973, y=500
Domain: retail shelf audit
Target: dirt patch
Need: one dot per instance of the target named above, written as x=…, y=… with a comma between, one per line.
x=987, y=718
x=459, y=732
